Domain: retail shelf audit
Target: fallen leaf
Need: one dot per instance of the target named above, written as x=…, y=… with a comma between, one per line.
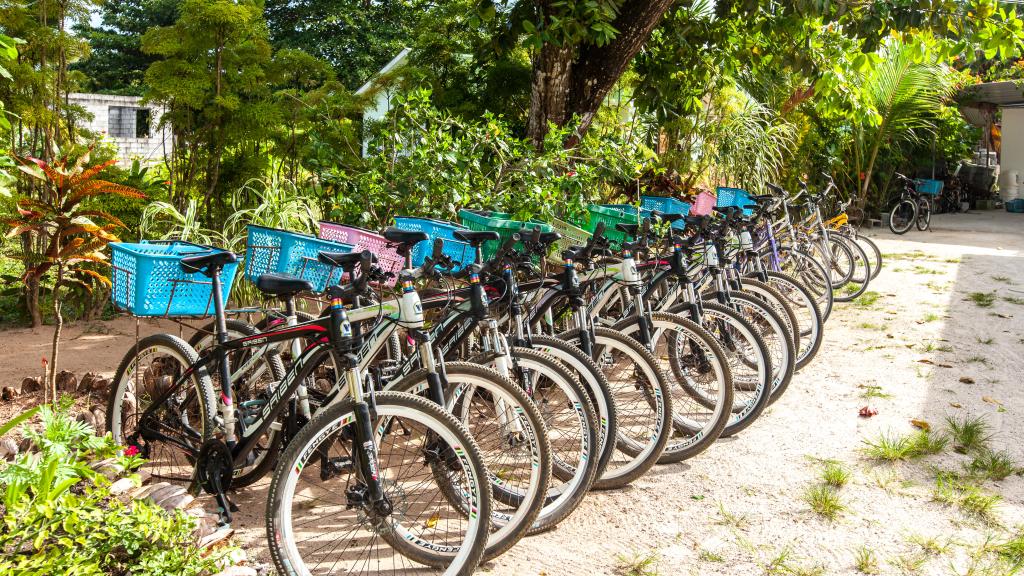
x=867, y=412
x=941, y=365
x=921, y=424
x=926, y=361
x=991, y=400
x=432, y=521
x=889, y=336
x=967, y=380
x=955, y=405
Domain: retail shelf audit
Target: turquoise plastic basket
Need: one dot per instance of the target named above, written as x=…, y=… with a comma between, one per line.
x=929, y=187
x=665, y=205
x=271, y=250
x=147, y=279
x=737, y=197
x=460, y=252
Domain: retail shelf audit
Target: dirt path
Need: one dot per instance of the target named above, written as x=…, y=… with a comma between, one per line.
x=740, y=508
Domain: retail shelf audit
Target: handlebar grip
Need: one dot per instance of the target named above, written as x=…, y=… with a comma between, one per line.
x=438, y=249
x=599, y=230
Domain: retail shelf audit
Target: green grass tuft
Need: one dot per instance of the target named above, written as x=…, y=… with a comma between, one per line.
x=968, y=433
x=892, y=448
x=637, y=563
x=872, y=391
x=824, y=500
x=865, y=561
x=992, y=465
x=1014, y=300
x=834, y=474
x=982, y=299
x=867, y=299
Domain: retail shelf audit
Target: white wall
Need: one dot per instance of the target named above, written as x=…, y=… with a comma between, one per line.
x=147, y=150
x=1012, y=153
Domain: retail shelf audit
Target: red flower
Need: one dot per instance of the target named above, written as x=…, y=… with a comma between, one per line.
x=571, y=174
x=131, y=451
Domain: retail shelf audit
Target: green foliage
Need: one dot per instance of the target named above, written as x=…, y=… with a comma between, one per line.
x=893, y=448
x=59, y=517
x=420, y=150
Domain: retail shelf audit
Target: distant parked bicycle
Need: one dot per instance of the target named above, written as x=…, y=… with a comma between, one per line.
x=912, y=208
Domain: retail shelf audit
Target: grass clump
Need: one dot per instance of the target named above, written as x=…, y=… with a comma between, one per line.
x=834, y=474
x=738, y=521
x=1014, y=300
x=968, y=433
x=870, y=326
x=891, y=448
x=956, y=490
x=864, y=561
x=637, y=563
x=992, y=465
x=872, y=391
x=1002, y=279
x=924, y=270
x=982, y=299
x=986, y=341
x=867, y=299
x=931, y=544
x=930, y=317
x=710, y=556
x=824, y=500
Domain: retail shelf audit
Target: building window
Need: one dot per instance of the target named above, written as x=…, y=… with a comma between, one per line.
x=128, y=122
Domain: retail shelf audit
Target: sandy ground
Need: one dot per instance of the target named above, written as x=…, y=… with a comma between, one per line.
x=740, y=507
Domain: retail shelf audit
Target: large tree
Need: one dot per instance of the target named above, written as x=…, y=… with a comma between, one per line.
x=117, y=64
x=580, y=50
x=211, y=76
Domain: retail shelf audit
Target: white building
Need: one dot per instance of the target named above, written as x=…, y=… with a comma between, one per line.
x=123, y=120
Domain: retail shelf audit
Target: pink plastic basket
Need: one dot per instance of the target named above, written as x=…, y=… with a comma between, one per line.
x=703, y=205
x=388, y=258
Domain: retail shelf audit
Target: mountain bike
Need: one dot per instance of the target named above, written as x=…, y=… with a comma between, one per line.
x=912, y=208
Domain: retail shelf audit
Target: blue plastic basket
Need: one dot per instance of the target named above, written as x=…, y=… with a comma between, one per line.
x=733, y=197
x=271, y=250
x=665, y=205
x=930, y=187
x=148, y=280
x=460, y=252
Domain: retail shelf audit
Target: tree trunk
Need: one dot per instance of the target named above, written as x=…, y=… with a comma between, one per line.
x=35, y=313
x=574, y=80
x=58, y=325
x=549, y=90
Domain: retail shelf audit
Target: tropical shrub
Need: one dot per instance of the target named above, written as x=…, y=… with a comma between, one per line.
x=60, y=518
x=70, y=234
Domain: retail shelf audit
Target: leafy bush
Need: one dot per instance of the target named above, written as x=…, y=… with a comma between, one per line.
x=60, y=518
x=426, y=162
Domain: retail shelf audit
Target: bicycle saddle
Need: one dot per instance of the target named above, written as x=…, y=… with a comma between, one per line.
x=549, y=237
x=666, y=217
x=475, y=237
x=629, y=229
x=273, y=284
x=404, y=237
x=344, y=260
x=208, y=262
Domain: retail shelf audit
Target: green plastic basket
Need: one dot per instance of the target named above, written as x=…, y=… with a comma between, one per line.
x=496, y=222
x=610, y=214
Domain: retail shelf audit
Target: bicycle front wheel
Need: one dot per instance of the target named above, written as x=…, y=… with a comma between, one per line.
x=902, y=217
x=924, y=214
x=319, y=516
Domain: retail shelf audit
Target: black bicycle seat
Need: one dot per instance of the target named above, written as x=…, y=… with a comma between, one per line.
x=630, y=229
x=475, y=237
x=344, y=260
x=273, y=284
x=666, y=217
x=549, y=237
x=207, y=262
x=404, y=237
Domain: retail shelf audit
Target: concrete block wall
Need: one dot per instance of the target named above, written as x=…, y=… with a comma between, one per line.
x=148, y=150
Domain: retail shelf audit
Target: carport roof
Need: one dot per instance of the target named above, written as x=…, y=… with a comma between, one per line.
x=1005, y=93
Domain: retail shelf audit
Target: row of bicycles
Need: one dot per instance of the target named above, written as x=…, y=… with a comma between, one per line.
x=460, y=386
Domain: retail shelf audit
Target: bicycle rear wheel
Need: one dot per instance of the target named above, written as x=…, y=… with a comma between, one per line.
x=861, y=276
x=924, y=214
x=319, y=520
